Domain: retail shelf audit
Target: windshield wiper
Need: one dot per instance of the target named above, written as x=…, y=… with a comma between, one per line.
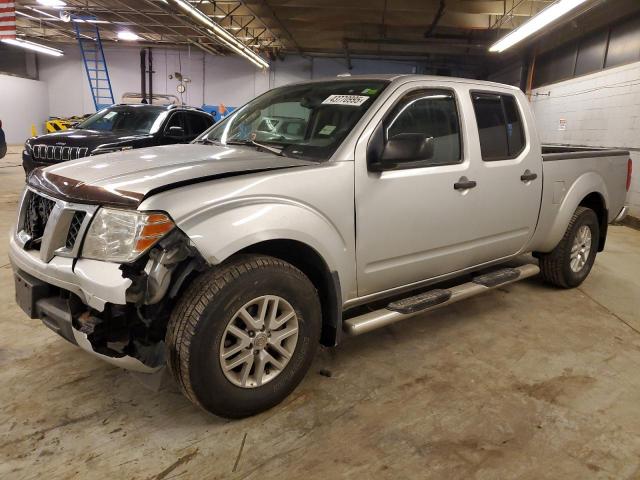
x=273, y=150
x=207, y=141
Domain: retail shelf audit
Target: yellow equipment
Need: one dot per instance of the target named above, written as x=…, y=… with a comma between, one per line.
x=57, y=124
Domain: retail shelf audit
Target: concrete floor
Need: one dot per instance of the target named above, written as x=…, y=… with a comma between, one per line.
x=527, y=382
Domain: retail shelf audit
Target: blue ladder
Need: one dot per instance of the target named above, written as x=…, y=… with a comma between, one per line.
x=94, y=62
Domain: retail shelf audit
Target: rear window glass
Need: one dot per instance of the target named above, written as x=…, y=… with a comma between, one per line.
x=499, y=126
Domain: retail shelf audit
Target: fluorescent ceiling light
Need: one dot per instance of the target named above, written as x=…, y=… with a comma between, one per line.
x=52, y=3
x=90, y=20
x=535, y=23
x=222, y=35
x=36, y=47
x=128, y=36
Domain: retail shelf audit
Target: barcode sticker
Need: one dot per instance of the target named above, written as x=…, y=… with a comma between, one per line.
x=353, y=100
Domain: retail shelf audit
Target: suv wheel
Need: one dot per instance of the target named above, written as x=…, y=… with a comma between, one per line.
x=243, y=335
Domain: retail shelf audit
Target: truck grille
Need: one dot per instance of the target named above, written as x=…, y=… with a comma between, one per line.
x=64, y=235
x=36, y=217
x=74, y=229
x=58, y=153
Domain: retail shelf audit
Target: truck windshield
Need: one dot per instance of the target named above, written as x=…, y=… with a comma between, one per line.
x=134, y=118
x=304, y=121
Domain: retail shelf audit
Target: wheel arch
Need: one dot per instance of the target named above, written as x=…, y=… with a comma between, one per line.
x=595, y=201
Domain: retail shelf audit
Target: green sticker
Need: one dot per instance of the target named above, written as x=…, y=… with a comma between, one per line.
x=370, y=91
x=327, y=129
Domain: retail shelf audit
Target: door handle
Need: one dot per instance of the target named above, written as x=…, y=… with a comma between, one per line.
x=528, y=175
x=464, y=184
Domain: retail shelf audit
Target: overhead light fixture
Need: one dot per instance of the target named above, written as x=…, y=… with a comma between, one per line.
x=221, y=34
x=535, y=23
x=127, y=36
x=89, y=20
x=36, y=47
x=52, y=3
x=233, y=27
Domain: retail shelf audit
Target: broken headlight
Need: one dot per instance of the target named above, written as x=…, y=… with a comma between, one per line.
x=123, y=235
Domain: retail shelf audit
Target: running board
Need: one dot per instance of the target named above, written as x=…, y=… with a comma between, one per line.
x=425, y=302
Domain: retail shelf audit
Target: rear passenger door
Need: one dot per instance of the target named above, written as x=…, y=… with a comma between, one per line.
x=509, y=174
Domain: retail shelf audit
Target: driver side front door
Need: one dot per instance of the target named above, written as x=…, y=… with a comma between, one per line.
x=413, y=222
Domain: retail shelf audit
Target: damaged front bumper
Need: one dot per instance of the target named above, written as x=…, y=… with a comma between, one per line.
x=42, y=300
x=89, y=303
x=96, y=283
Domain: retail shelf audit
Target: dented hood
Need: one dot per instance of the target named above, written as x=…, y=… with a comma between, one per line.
x=126, y=178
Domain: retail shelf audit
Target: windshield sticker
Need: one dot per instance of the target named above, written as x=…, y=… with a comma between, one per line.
x=352, y=100
x=369, y=91
x=327, y=129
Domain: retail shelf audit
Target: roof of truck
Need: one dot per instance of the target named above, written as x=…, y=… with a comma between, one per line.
x=402, y=78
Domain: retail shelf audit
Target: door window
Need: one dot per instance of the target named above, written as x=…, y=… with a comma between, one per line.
x=198, y=124
x=499, y=126
x=176, y=120
x=433, y=114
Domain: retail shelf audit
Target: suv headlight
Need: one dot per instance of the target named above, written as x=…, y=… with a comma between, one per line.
x=123, y=235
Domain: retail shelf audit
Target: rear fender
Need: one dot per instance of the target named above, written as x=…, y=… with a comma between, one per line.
x=584, y=185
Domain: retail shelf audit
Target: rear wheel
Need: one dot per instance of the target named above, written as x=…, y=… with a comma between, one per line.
x=570, y=262
x=243, y=335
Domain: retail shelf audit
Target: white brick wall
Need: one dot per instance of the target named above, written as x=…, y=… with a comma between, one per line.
x=601, y=109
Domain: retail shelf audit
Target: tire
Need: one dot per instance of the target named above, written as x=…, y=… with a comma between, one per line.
x=556, y=266
x=203, y=323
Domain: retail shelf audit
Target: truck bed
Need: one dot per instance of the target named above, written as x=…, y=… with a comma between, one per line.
x=569, y=174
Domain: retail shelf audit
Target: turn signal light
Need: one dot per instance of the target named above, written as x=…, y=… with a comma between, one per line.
x=156, y=226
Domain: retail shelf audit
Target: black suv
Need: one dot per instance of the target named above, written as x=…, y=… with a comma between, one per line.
x=120, y=127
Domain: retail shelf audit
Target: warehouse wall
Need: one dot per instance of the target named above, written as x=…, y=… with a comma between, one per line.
x=601, y=109
x=214, y=79
x=15, y=94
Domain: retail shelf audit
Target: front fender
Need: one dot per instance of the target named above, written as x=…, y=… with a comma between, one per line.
x=222, y=230
x=555, y=227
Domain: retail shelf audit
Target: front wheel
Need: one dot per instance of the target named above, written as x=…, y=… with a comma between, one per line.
x=243, y=335
x=570, y=262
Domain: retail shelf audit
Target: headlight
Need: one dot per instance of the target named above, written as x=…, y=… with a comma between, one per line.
x=123, y=235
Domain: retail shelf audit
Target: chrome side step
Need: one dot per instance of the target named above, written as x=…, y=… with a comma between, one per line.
x=425, y=302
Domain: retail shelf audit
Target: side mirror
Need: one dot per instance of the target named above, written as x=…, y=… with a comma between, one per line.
x=408, y=147
x=175, y=132
x=400, y=149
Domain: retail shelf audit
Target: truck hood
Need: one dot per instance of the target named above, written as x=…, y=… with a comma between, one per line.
x=125, y=178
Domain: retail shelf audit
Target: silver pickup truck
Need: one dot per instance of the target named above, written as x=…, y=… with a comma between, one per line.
x=232, y=258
